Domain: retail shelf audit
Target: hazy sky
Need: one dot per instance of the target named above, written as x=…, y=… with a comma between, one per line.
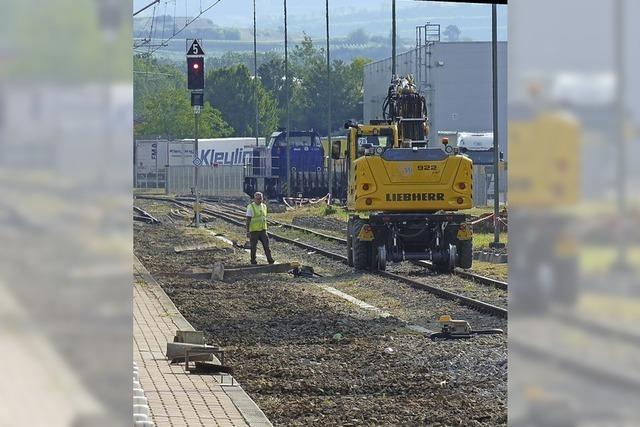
x=345, y=15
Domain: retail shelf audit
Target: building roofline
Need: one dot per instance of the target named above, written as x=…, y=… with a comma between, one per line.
x=414, y=49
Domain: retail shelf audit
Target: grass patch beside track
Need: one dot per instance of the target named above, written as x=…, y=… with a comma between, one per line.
x=477, y=211
x=482, y=240
x=498, y=271
x=153, y=191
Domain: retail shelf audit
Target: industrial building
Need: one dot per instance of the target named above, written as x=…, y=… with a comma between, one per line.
x=455, y=78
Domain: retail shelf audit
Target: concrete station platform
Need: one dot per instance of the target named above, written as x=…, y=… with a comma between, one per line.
x=175, y=397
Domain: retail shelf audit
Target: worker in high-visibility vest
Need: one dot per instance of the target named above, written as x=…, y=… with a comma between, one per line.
x=257, y=227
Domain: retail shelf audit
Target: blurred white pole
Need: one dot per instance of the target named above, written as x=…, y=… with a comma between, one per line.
x=619, y=28
x=496, y=147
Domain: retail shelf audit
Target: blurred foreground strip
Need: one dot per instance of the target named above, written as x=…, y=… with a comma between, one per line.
x=39, y=389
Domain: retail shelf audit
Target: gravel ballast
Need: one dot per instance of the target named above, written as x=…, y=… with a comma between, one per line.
x=308, y=357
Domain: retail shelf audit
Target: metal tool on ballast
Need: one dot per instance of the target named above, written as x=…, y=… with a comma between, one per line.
x=456, y=329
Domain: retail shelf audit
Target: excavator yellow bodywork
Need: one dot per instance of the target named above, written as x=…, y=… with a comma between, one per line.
x=410, y=191
x=405, y=180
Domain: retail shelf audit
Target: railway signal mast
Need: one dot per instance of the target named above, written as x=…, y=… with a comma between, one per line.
x=195, y=83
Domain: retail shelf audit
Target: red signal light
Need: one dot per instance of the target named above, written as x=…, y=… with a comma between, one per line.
x=195, y=73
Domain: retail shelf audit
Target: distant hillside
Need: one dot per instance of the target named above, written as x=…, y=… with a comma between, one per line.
x=162, y=27
x=358, y=27
x=374, y=16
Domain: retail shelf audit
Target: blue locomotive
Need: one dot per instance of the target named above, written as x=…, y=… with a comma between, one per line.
x=266, y=168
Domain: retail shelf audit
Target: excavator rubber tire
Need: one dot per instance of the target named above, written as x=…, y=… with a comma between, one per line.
x=465, y=253
x=361, y=250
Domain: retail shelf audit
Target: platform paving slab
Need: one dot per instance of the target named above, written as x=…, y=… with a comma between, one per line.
x=177, y=398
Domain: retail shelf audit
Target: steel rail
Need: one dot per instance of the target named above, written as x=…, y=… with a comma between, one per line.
x=439, y=292
x=483, y=280
x=144, y=216
x=471, y=302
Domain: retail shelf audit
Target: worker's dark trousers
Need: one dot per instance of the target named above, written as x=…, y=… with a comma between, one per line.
x=261, y=236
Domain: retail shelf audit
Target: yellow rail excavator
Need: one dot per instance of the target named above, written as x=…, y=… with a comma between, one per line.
x=403, y=196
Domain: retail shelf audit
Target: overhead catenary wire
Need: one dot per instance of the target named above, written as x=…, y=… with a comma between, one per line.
x=164, y=18
x=153, y=18
x=187, y=22
x=146, y=7
x=175, y=8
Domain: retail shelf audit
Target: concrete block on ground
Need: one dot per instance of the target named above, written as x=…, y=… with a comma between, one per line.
x=230, y=273
x=176, y=352
x=189, y=337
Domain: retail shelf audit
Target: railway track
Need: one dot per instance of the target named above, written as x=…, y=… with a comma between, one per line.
x=606, y=375
x=144, y=216
x=237, y=218
x=483, y=280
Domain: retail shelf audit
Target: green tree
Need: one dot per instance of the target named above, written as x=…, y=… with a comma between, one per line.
x=168, y=113
x=230, y=90
x=271, y=75
x=229, y=59
x=150, y=76
x=310, y=94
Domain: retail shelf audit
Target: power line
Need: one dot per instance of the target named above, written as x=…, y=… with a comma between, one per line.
x=146, y=7
x=153, y=48
x=186, y=24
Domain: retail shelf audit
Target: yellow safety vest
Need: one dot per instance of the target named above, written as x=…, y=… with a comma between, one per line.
x=259, y=218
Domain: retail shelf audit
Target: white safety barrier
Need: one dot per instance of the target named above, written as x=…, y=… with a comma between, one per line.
x=141, y=411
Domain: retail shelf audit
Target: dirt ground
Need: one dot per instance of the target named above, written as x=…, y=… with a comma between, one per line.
x=308, y=357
